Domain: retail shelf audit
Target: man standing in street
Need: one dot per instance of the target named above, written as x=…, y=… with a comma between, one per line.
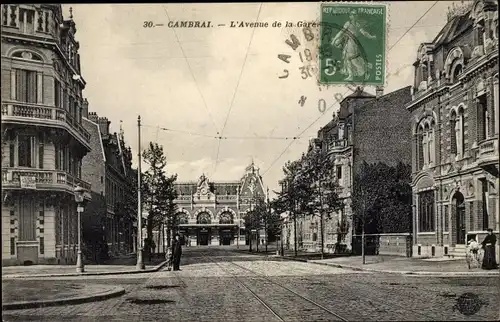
x=176, y=252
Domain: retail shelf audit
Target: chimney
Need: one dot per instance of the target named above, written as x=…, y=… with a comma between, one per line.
x=103, y=125
x=93, y=117
x=85, y=108
x=379, y=91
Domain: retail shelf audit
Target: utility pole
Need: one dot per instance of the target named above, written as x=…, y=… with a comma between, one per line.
x=295, y=228
x=267, y=219
x=363, y=219
x=140, y=262
x=321, y=219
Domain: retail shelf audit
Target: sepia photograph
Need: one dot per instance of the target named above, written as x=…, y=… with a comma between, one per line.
x=250, y=161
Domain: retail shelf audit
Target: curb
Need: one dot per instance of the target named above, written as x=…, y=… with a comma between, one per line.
x=150, y=270
x=117, y=291
x=416, y=273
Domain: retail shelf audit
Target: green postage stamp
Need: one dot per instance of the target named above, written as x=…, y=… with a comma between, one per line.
x=352, y=44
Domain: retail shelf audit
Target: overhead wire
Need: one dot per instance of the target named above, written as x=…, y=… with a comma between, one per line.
x=236, y=89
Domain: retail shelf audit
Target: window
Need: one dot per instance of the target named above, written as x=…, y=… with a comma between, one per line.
x=12, y=149
x=425, y=144
x=26, y=145
x=12, y=245
x=102, y=179
x=485, y=197
x=453, y=126
x=456, y=72
x=57, y=93
x=27, y=20
x=26, y=86
x=483, y=117
x=41, y=140
x=339, y=172
x=426, y=211
x=445, y=218
x=420, y=147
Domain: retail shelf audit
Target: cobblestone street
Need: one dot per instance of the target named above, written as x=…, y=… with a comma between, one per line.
x=218, y=284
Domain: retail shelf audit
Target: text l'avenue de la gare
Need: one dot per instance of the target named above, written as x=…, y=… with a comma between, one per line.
x=240, y=24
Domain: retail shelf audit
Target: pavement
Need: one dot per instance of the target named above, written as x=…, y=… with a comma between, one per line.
x=442, y=266
x=221, y=284
x=127, y=267
x=38, y=293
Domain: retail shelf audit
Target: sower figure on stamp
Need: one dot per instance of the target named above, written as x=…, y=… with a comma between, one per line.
x=176, y=252
x=354, y=64
x=489, y=259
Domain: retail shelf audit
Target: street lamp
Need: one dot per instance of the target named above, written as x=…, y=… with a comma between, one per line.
x=79, y=197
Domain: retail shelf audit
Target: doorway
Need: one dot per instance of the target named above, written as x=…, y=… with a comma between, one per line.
x=458, y=199
x=203, y=237
x=225, y=237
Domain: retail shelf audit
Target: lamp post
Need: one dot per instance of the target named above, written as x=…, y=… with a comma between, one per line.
x=140, y=262
x=79, y=197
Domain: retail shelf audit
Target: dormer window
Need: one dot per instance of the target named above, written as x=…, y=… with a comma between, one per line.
x=456, y=73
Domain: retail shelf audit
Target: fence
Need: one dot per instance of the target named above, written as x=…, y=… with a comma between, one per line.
x=399, y=244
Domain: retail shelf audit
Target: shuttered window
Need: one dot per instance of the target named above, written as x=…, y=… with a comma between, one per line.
x=26, y=86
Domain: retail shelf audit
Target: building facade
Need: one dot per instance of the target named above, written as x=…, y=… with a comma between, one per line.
x=211, y=213
x=455, y=133
x=107, y=222
x=354, y=136
x=43, y=139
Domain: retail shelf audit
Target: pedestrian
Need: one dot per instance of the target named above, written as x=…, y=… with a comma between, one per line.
x=176, y=252
x=489, y=259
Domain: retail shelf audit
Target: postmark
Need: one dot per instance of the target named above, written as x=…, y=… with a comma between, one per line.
x=355, y=51
x=304, y=39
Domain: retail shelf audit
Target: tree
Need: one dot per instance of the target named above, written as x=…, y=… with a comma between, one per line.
x=254, y=217
x=320, y=189
x=158, y=193
x=381, y=199
x=293, y=196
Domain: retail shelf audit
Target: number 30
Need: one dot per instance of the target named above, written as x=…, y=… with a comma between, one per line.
x=148, y=24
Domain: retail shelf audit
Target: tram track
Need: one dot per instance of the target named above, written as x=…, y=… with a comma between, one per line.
x=266, y=300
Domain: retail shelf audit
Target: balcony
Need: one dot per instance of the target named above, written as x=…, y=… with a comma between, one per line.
x=487, y=155
x=226, y=198
x=337, y=145
x=39, y=179
x=27, y=113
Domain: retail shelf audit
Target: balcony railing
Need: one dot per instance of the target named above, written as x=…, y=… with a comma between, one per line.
x=16, y=111
x=225, y=198
x=488, y=149
x=337, y=145
x=14, y=178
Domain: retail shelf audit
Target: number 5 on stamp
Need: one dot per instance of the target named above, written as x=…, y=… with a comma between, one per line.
x=353, y=36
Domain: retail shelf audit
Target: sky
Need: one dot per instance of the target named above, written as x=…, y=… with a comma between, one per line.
x=202, y=83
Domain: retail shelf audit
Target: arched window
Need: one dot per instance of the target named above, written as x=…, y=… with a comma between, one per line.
x=456, y=73
x=426, y=143
x=226, y=218
x=203, y=218
x=457, y=132
x=420, y=147
x=453, y=126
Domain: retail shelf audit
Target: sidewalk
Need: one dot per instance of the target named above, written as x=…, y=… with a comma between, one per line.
x=22, y=294
x=408, y=266
x=384, y=263
x=112, y=267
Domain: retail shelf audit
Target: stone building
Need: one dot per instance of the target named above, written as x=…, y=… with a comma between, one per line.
x=455, y=132
x=108, y=167
x=352, y=137
x=211, y=213
x=43, y=139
